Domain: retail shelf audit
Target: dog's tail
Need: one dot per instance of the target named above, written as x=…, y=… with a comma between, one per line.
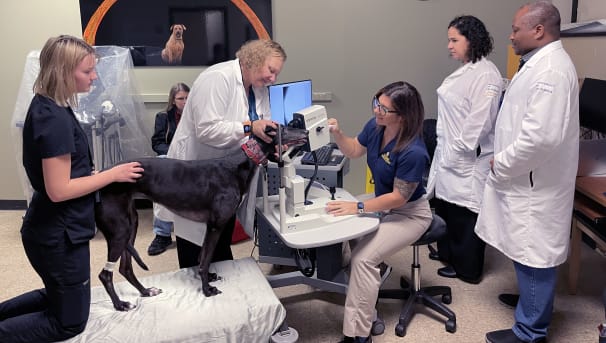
x=133, y=252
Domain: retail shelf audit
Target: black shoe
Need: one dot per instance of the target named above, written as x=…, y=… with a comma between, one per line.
x=433, y=253
x=447, y=271
x=509, y=300
x=159, y=245
x=507, y=336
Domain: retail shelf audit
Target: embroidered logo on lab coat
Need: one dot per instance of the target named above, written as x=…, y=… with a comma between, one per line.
x=385, y=157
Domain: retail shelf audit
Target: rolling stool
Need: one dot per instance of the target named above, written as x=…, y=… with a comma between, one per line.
x=415, y=294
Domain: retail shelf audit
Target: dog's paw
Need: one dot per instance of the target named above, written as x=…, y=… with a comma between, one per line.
x=210, y=291
x=213, y=277
x=124, y=306
x=151, y=292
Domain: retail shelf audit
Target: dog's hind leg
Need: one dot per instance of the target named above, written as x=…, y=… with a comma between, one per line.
x=112, y=221
x=126, y=263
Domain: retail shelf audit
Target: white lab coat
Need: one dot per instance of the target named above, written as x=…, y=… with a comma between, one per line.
x=211, y=127
x=527, y=205
x=468, y=103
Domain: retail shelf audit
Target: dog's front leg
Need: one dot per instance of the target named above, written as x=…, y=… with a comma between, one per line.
x=206, y=254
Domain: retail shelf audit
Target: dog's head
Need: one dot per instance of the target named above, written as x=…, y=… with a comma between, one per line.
x=291, y=137
x=177, y=30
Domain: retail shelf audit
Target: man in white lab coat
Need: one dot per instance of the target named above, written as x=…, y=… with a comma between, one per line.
x=228, y=101
x=529, y=193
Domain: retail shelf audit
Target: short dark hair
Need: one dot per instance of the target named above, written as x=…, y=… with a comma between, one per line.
x=546, y=14
x=472, y=28
x=406, y=100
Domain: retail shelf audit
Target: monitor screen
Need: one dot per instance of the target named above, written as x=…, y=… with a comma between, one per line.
x=287, y=98
x=592, y=110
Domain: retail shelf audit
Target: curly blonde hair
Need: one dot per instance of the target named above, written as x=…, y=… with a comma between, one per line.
x=254, y=53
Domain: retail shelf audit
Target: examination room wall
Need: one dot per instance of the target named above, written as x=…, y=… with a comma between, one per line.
x=349, y=48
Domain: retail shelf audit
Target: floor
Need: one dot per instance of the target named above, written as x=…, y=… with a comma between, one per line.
x=317, y=316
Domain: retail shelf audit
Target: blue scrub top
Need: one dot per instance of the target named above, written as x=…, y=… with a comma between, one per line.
x=408, y=164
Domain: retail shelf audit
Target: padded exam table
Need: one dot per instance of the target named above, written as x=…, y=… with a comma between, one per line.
x=247, y=310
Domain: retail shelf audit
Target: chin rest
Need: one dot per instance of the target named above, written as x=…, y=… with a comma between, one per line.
x=414, y=293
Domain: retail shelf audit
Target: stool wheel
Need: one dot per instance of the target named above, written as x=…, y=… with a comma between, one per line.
x=446, y=299
x=451, y=326
x=378, y=327
x=400, y=330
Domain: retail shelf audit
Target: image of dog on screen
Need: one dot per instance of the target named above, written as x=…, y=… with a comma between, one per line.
x=173, y=50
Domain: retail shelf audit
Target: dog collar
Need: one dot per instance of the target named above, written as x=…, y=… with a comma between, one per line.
x=253, y=150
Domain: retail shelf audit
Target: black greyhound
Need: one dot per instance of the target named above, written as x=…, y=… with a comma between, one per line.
x=204, y=191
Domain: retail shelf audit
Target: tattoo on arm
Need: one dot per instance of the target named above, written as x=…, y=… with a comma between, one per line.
x=405, y=188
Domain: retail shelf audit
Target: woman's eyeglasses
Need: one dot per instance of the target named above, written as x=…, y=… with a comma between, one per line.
x=384, y=110
x=181, y=98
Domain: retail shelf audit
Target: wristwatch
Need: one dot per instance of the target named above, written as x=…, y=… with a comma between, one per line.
x=360, y=207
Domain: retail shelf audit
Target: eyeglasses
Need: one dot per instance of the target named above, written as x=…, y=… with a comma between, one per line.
x=181, y=98
x=384, y=110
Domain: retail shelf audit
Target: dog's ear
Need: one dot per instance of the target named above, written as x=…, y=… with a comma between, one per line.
x=184, y=28
x=171, y=28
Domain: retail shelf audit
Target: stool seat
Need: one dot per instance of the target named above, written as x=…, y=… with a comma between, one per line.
x=414, y=294
x=436, y=230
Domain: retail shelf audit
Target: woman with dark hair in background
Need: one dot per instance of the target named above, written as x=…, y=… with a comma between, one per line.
x=397, y=157
x=468, y=103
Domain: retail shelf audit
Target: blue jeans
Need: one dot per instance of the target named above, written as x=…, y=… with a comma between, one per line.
x=535, y=307
x=162, y=228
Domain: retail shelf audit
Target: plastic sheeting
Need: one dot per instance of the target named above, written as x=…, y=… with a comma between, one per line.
x=247, y=310
x=112, y=112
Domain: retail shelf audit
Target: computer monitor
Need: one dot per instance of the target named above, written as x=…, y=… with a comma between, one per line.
x=288, y=98
x=592, y=108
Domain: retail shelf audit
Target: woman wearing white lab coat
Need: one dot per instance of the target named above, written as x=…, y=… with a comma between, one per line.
x=468, y=102
x=529, y=193
x=214, y=124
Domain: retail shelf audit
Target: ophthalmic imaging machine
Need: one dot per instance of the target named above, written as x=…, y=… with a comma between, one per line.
x=300, y=231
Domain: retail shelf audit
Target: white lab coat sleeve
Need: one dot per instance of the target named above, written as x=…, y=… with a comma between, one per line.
x=542, y=131
x=483, y=107
x=214, y=126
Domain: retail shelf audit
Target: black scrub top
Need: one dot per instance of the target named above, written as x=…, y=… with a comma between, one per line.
x=51, y=130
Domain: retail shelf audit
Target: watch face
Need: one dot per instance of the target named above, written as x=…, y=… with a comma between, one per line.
x=360, y=207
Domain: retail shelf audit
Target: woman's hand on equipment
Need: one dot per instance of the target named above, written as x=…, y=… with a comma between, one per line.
x=341, y=208
x=333, y=125
x=127, y=172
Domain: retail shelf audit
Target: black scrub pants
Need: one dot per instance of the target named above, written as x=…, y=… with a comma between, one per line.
x=188, y=252
x=60, y=310
x=461, y=247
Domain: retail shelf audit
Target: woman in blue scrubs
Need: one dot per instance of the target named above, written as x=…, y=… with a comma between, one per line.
x=397, y=158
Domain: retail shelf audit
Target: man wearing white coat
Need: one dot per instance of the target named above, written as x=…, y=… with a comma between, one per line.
x=228, y=101
x=528, y=198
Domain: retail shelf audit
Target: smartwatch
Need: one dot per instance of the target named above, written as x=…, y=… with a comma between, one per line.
x=360, y=207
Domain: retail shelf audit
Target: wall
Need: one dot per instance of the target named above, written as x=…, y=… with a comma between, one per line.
x=347, y=47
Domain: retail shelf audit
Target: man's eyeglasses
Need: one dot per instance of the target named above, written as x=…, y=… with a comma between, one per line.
x=384, y=110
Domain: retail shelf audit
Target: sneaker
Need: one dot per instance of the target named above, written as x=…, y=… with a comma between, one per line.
x=159, y=245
